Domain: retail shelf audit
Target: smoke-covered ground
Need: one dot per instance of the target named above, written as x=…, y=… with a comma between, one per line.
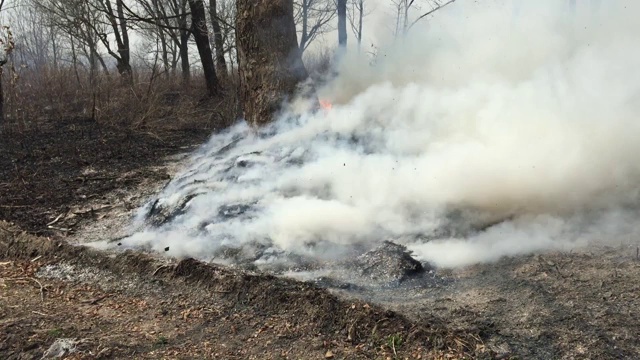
x=486, y=134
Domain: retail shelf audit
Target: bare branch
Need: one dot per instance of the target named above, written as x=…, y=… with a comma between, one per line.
x=438, y=7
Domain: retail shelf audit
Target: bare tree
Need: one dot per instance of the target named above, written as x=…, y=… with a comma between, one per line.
x=201, y=37
x=342, y=23
x=356, y=15
x=37, y=42
x=404, y=8
x=167, y=20
x=226, y=20
x=218, y=42
x=82, y=27
x=183, y=43
x=120, y=30
x=7, y=47
x=313, y=18
x=434, y=5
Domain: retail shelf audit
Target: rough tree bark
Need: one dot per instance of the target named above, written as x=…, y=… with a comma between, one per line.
x=218, y=42
x=269, y=60
x=201, y=36
x=342, y=23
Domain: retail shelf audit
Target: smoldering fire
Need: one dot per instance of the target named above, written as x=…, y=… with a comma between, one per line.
x=479, y=138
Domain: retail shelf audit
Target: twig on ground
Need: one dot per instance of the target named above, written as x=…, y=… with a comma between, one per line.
x=55, y=220
x=559, y=272
x=59, y=228
x=160, y=268
x=91, y=210
x=96, y=300
x=32, y=279
x=39, y=313
x=99, y=178
x=393, y=346
x=7, y=230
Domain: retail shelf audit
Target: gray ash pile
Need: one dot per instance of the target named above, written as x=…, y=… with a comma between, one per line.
x=389, y=263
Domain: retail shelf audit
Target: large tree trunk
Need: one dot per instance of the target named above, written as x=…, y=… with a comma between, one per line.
x=269, y=60
x=201, y=36
x=218, y=44
x=342, y=23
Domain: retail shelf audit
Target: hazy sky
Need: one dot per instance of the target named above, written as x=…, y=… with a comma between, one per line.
x=379, y=23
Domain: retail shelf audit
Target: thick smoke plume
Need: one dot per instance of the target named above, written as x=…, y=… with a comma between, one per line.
x=486, y=133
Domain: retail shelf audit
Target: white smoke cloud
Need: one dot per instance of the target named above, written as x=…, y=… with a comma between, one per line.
x=479, y=117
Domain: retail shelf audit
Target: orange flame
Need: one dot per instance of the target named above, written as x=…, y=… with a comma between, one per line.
x=325, y=105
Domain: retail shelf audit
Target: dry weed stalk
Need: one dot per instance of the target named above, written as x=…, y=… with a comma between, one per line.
x=36, y=98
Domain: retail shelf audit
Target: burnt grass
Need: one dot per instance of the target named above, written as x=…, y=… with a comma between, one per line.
x=188, y=310
x=46, y=169
x=128, y=305
x=136, y=306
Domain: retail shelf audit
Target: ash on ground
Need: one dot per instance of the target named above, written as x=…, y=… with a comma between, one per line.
x=389, y=263
x=218, y=205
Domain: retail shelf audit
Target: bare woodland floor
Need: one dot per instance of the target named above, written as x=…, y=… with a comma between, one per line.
x=78, y=178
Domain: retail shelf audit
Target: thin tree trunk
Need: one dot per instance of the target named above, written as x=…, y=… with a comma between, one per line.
x=103, y=64
x=54, y=45
x=184, y=56
x=218, y=43
x=305, y=25
x=360, y=19
x=201, y=36
x=74, y=58
x=342, y=23
x=269, y=60
x=1, y=94
x=165, y=55
x=124, y=65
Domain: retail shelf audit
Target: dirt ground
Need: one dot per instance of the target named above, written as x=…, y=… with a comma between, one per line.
x=79, y=179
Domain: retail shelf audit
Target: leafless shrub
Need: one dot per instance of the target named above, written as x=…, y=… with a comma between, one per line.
x=319, y=63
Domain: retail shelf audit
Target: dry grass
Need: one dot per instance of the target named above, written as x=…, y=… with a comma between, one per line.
x=34, y=98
